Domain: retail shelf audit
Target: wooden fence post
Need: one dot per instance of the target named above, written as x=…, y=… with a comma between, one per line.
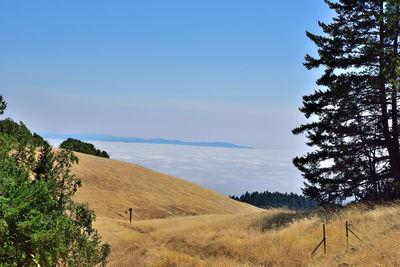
x=130, y=215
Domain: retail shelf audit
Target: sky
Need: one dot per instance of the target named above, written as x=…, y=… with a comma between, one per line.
x=228, y=71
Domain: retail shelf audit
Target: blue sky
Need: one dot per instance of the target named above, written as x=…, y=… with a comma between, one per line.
x=192, y=70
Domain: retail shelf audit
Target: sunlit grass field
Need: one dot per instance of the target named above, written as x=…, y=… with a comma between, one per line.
x=177, y=223
x=237, y=240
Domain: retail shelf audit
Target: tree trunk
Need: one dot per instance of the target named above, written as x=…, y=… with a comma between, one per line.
x=382, y=89
x=395, y=128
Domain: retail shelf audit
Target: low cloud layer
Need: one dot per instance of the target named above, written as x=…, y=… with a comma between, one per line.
x=225, y=170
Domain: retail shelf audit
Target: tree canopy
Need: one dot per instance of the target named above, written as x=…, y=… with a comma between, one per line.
x=80, y=146
x=354, y=114
x=39, y=221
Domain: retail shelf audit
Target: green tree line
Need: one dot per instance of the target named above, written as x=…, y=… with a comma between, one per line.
x=268, y=199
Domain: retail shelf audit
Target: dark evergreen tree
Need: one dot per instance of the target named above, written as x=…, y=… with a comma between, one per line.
x=355, y=117
x=3, y=105
x=276, y=200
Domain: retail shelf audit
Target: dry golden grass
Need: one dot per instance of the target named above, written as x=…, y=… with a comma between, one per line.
x=180, y=224
x=235, y=240
x=111, y=187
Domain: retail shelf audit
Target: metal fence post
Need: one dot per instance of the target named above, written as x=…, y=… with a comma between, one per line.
x=347, y=236
x=324, y=239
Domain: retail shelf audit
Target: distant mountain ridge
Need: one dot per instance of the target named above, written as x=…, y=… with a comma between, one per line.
x=111, y=138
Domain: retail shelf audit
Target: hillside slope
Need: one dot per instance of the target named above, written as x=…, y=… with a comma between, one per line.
x=239, y=241
x=223, y=232
x=112, y=187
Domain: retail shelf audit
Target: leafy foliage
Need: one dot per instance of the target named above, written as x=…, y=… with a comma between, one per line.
x=39, y=221
x=79, y=146
x=10, y=127
x=276, y=200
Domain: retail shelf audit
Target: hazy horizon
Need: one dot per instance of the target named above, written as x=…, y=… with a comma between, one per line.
x=225, y=170
x=135, y=139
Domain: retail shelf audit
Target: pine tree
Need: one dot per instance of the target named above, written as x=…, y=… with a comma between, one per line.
x=3, y=105
x=355, y=118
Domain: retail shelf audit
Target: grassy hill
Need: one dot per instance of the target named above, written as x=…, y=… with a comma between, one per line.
x=177, y=223
x=112, y=187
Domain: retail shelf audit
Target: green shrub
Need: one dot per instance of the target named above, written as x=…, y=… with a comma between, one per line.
x=40, y=223
x=79, y=146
